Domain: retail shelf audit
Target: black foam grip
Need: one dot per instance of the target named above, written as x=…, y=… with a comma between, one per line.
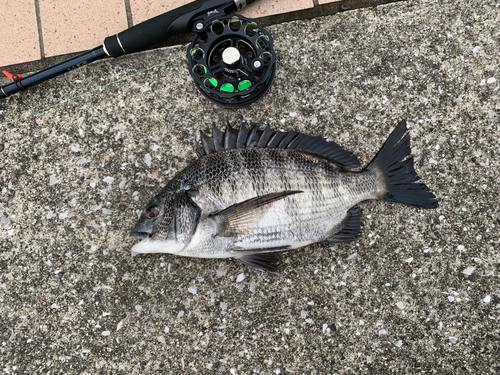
x=153, y=31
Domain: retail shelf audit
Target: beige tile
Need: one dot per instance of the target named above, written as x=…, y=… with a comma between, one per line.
x=143, y=10
x=320, y=2
x=78, y=25
x=263, y=8
x=19, y=40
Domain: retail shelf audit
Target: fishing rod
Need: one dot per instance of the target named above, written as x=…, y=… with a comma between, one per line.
x=134, y=39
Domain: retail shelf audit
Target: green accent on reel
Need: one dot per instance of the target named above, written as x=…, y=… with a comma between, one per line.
x=195, y=52
x=227, y=87
x=266, y=56
x=211, y=83
x=244, y=85
x=264, y=37
x=198, y=66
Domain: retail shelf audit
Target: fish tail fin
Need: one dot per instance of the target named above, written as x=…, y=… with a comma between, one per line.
x=398, y=179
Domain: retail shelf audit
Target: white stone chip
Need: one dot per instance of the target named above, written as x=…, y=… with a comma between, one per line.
x=468, y=271
x=106, y=333
x=161, y=339
x=108, y=180
x=240, y=278
x=487, y=299
x=192, y=290
x=52, y=180
x=401, y=305
x=147, y=160
x=119, y=326
x=453, y=340
x=223, y=305
x=352, y=256
x=383, y=332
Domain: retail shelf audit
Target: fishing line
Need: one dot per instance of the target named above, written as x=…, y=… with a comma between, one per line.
x=90, y=92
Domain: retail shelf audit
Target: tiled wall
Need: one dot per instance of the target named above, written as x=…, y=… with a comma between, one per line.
x=32, y=29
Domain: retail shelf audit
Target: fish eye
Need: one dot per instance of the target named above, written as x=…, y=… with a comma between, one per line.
x=152, y=212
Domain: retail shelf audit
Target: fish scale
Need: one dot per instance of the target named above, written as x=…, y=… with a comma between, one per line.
x=270, y=191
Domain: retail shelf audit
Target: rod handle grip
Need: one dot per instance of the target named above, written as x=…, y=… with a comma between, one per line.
x=152, y=31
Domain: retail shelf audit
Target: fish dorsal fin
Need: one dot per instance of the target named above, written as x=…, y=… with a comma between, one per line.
x=243, y=218
x=269, y=138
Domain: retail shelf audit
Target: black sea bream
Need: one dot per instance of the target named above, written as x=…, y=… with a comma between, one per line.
x=251, y=194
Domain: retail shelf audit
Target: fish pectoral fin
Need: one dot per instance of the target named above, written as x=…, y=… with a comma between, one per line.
x=242, y=218
x=261, y=261
x=351, y=226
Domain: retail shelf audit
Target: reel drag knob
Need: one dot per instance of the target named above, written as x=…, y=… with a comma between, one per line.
x=231, y=56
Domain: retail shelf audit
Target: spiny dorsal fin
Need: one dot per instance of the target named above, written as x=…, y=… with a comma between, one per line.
x=269, y=138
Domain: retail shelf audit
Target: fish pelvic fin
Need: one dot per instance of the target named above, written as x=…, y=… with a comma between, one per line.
x=398, y=179
x=242, y=218
x=261, y=261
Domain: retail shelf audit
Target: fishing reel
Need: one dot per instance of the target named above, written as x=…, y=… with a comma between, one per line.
x=231, y=60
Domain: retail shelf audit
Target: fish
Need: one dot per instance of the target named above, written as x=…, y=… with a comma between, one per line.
x=251, y=194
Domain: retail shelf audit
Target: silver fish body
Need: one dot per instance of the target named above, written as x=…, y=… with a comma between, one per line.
x=270, y=191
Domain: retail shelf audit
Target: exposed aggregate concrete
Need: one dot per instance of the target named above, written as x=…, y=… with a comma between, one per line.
x=417, y=292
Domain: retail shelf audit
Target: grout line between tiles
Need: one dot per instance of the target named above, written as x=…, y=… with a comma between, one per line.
x=315, y=3
x=128, y=10
x=39, y=26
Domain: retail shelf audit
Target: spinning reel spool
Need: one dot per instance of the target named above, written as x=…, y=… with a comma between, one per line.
x=231, y=60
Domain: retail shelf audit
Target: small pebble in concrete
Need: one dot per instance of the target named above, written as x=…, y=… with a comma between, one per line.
x=468, y=271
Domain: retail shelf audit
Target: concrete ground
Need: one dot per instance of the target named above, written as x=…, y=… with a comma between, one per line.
x=417, y=293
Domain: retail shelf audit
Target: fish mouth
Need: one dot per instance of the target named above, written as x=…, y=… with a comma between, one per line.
x=136, y=248
x=139, y=235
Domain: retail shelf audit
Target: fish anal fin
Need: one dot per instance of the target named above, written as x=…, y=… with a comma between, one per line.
x=349, y=227
x=242, y=218
x=261, y=261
